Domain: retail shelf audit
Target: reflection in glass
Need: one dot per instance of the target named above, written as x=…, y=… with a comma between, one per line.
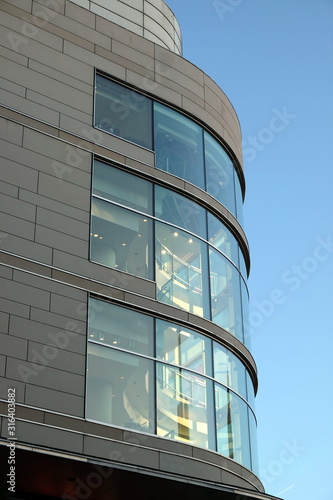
x=219, y=173
x=123, y=112
x=179, y=210
x=122, y=187
x=121, y=238
x=181, y=270
x=178, y=144
x=178, y=345
x=222, y=238
x=121, y=327
x=171, y=395
x=225, y=294
x=232, y=427
x=120, y=389
x=250, y=391
x=253, y=443
x=245, y=311
x=239, y=199
x=229, y=370
x=183, y=400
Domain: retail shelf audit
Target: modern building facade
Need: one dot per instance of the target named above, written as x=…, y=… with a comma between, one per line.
x=125, y=364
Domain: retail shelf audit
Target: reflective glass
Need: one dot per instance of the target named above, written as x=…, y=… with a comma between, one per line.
x=250, y=391
x=122, y=187
x=121, y=327
x=239, y=200
x=178, y=144
x=232, y=426
x=222, y=238
x=178, y=345
x=121, y=239
x=253, y=443
x=183, y=403
x=219, y=173
x=225, y=294
x=229, y=370
x=179, y=210
x=120, y=388
x=181, y=270
x=242, y=265
x=246, y=319
x=123, y=112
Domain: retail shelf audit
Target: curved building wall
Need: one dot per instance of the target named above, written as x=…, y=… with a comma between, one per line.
x=152, y=19
x=124, y=262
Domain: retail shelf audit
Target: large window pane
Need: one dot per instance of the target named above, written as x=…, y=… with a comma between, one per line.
x=179, y=210
x=225, y=294
x=123, y=112
x=250, y=391
x=219, y=173
x=178, y=345
x=122, y=187
x=229, y=370
x=178, y=145
x=222, y=238
x=232, y=426
x=121, y=239
x=121, y=327
x=184, y=401
x=239, y=200
x=181, y=270
x=245, y=311
x=120, y=388
x=253, y=442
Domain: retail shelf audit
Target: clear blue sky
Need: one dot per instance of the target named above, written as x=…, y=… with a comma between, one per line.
x=273, y=58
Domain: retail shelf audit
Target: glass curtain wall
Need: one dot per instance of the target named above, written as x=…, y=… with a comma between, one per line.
x=135, y=224
x=156, y=376
x=183, y=148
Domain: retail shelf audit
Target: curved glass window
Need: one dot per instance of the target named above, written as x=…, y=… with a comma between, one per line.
x=229, y=370
x=159, y=377
x=135, y=223
x=121, y=238
x=178, y=345
x=180, y=211
x=219, y=173
x=232, y=426
x=178, y=145
x=181, y=270
x=226, y=306
x=123, y=112
x=183, y=148
x=122, y=187
x=222, y=239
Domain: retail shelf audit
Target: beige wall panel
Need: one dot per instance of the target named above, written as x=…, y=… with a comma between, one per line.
x=75, y=27
x=11, y=132
x=81, y=15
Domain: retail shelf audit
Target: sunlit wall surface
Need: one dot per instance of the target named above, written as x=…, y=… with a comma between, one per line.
x=159, y=377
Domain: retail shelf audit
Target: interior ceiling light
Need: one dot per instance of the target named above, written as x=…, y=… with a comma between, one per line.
x=123, y=244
